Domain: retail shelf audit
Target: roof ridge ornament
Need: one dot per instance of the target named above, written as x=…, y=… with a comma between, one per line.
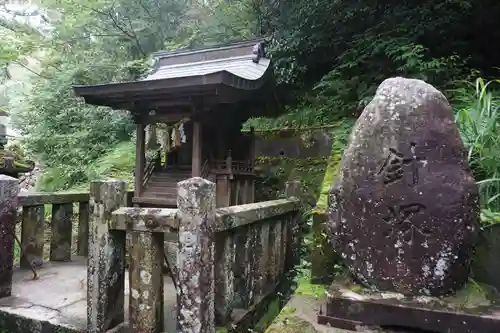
x=258, y=52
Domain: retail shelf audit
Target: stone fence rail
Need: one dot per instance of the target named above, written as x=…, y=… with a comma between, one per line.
x=229, y=260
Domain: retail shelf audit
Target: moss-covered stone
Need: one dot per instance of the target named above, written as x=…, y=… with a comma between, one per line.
x=341, y=132
x=19, y=165
x=323, y=257
x=312, y=290
x=274, y=172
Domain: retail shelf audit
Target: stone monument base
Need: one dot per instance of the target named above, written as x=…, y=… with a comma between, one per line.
x=475, y=308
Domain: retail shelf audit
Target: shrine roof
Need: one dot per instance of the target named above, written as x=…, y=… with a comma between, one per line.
x=207, y=76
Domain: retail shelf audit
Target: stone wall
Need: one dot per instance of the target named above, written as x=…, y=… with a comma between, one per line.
x=284, y=155
x=313, y=157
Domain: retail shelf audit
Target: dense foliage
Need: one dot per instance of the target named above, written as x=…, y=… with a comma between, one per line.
x=329, y=58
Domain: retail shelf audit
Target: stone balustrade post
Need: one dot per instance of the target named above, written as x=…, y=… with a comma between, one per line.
x=106, y=259
x=9, y=189
x=294, y=228
x=195, y=256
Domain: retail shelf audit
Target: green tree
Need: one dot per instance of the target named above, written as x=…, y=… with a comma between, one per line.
x=94, y=42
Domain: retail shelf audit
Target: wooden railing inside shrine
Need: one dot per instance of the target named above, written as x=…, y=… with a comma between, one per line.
x=151, y=167
x=229, y=260
x=232, y=167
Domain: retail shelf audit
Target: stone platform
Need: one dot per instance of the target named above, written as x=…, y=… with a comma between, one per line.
x=475, y=309
x=58, y=299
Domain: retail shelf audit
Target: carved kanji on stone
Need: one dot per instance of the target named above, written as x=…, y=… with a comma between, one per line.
x=393, y=168
x=394, y=212
x=401, y=221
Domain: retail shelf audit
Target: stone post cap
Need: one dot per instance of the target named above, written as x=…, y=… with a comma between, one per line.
x=4, y=179
x=9, y=189
x=108, y=181
x=195, y=193
x=111, y=192
x=195, y=183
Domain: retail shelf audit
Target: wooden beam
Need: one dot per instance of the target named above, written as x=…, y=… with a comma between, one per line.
x=140, y=158
x=196, y=160
x=166, y=117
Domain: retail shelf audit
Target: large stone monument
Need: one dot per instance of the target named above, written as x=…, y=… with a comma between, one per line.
x=404, y=210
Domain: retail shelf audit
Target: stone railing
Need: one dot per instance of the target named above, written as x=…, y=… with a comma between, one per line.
x=61, y=226
x=31, y=214
x=228, y=260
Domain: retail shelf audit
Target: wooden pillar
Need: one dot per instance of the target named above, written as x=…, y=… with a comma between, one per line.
x=246, y=191
x=139, y=158
x=196, y=160
x=223, y=190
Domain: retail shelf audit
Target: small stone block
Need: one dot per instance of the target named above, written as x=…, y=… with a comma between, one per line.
x=472, y=309
x=62, y=228
x=32, y=236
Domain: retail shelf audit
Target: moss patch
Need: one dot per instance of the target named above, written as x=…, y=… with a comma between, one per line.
x=472, y=295
x=273, y=311
x=306, y=288
x=274, y=172
x=340, y=136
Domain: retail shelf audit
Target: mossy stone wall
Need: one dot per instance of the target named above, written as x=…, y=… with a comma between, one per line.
x=316, y=166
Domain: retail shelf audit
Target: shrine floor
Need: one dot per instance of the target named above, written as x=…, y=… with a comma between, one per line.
x=59, y=296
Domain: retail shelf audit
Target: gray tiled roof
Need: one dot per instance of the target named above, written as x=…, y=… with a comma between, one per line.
x=218, y=74
x=241, y=66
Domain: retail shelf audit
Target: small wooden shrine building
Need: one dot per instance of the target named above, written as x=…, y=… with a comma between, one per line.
x=211, y=92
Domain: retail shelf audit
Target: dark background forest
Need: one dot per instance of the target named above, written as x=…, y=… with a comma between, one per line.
x=329, y=57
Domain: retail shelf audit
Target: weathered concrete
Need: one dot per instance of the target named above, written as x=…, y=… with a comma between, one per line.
x=9, y=189
x=32, y=236
x=237, y=216
x=242, y=267
x=44, y=198
x=264, y=260
x=146, y=271
x=195, y=260
x=225, y=255
x=294, y=227
x=36, y=199
x=58, y=299
x=62, y=228
x=145, y=219
x=106, y=260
